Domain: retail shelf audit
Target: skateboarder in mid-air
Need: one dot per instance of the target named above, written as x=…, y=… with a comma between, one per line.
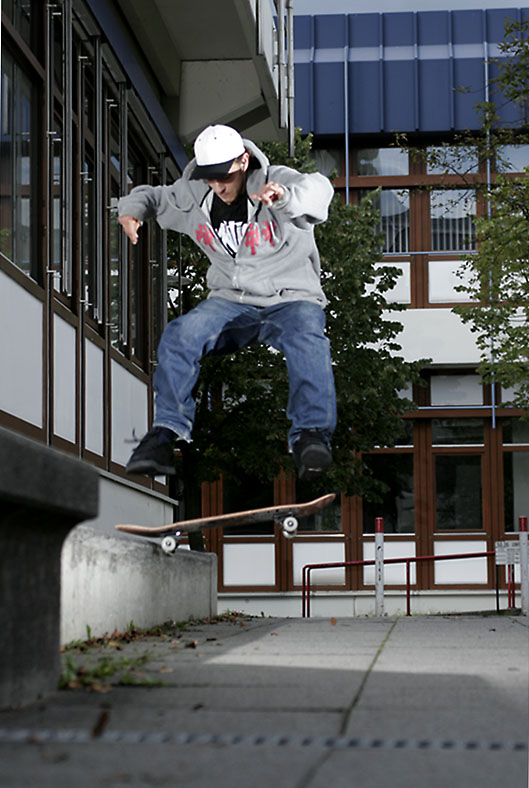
x=255, y=222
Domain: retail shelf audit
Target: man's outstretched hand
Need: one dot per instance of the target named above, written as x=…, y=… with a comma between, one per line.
x=269, y=193
x=130, y=226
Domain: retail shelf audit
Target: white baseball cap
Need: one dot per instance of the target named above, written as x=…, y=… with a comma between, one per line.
x=216, y=148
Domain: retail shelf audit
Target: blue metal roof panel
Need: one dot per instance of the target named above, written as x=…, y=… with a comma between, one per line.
x=467, y=27
x=328, y=97
x=303, y=32
x=365, y=90
x=364, y=30
x=436, y=107
x=495, y=21
x=434, y=28
x=400, y=107
x=329, y=30
x=407, y=71
x=304, y=96
x=398, y=29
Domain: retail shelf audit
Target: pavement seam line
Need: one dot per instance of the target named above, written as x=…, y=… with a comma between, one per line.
x=349, y=710
x=312, y=772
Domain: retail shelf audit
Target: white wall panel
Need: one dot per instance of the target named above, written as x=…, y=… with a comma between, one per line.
x=64, y=385
x=401, y=291
x=123, y=502
x=249, y=564
x=20, y=352
x=444, y=277
x=460, y=570
x=394, y=574
x=94, y=392
x=129, y=412
x=318, y=553
x=438, y=334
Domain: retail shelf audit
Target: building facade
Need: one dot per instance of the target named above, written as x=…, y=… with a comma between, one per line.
x=459, y=482
x=97, y=96
x=100, y=95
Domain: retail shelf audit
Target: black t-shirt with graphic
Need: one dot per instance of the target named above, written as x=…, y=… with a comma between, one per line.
x=230, y=221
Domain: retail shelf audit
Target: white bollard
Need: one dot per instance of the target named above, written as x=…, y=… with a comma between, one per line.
x=379, y=566
x=524, y=566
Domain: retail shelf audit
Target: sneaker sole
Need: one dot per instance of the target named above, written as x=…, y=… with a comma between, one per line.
x=314, y=462
x=150, y=468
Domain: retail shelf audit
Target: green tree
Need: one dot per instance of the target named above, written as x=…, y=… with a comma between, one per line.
x=241, y=424
x=495, y=278
x=498, y=274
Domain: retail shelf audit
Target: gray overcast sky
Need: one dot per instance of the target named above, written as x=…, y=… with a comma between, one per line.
x=360, y=6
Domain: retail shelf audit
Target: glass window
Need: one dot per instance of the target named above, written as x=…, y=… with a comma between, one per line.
x=458, y=493
x=451, y=159
x=88, y=235
x=452, y=215
x=135, y=176
x=156, y=260
x=457, y=432
x=394, y=207
x=115, y=271
x=243, y=492
x=406, y=436
x=515, y=488
x=20, y=13
x=456, y=390
x=382, y=161
x=512, y=158
x=508, y=393
x=444, y=277
x=327, y=161
x=397, y=505
x=326, y=520
x=56, y=44
x=515, y=431
x=56, y=203
x=115, y=234
x=19, y=167
x=406, y=392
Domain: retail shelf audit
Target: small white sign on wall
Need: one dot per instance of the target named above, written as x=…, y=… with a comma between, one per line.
x=507, y=553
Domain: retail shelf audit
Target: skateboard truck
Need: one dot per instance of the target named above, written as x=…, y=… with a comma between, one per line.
x=289, y=527
x=169, y=544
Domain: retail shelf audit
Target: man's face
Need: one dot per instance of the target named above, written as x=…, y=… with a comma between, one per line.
x=230, y=186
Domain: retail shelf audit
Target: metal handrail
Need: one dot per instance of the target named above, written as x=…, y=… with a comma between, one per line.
x=308, y=568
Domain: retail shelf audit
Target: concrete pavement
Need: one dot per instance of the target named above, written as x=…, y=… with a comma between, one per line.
x=290, y=703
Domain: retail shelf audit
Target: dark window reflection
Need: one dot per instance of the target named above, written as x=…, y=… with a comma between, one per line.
x=397, y=504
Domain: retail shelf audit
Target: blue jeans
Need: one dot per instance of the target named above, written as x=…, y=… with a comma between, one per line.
x=296, y=328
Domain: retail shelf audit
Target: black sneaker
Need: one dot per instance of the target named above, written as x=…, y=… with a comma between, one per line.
x=312, y=454
x=155, y=454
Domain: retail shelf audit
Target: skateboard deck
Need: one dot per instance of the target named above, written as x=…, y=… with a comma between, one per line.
x=285, y=514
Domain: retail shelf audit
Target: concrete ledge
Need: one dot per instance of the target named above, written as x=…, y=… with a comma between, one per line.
x=43, y=495
x=107, y=582
x=33, y=475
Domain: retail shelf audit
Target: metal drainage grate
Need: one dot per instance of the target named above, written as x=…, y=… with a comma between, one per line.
x=65, y=736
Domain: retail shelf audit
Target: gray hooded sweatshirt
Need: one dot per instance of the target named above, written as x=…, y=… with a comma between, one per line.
x=277, y=259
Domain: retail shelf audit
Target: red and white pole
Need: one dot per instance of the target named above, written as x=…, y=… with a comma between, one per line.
x=379, y=566
x=524, y=565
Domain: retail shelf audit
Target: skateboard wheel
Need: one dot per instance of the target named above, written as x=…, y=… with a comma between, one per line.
x=289, y=527
x=168, y=544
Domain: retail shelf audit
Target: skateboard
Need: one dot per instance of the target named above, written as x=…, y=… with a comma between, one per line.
x=286, y=515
